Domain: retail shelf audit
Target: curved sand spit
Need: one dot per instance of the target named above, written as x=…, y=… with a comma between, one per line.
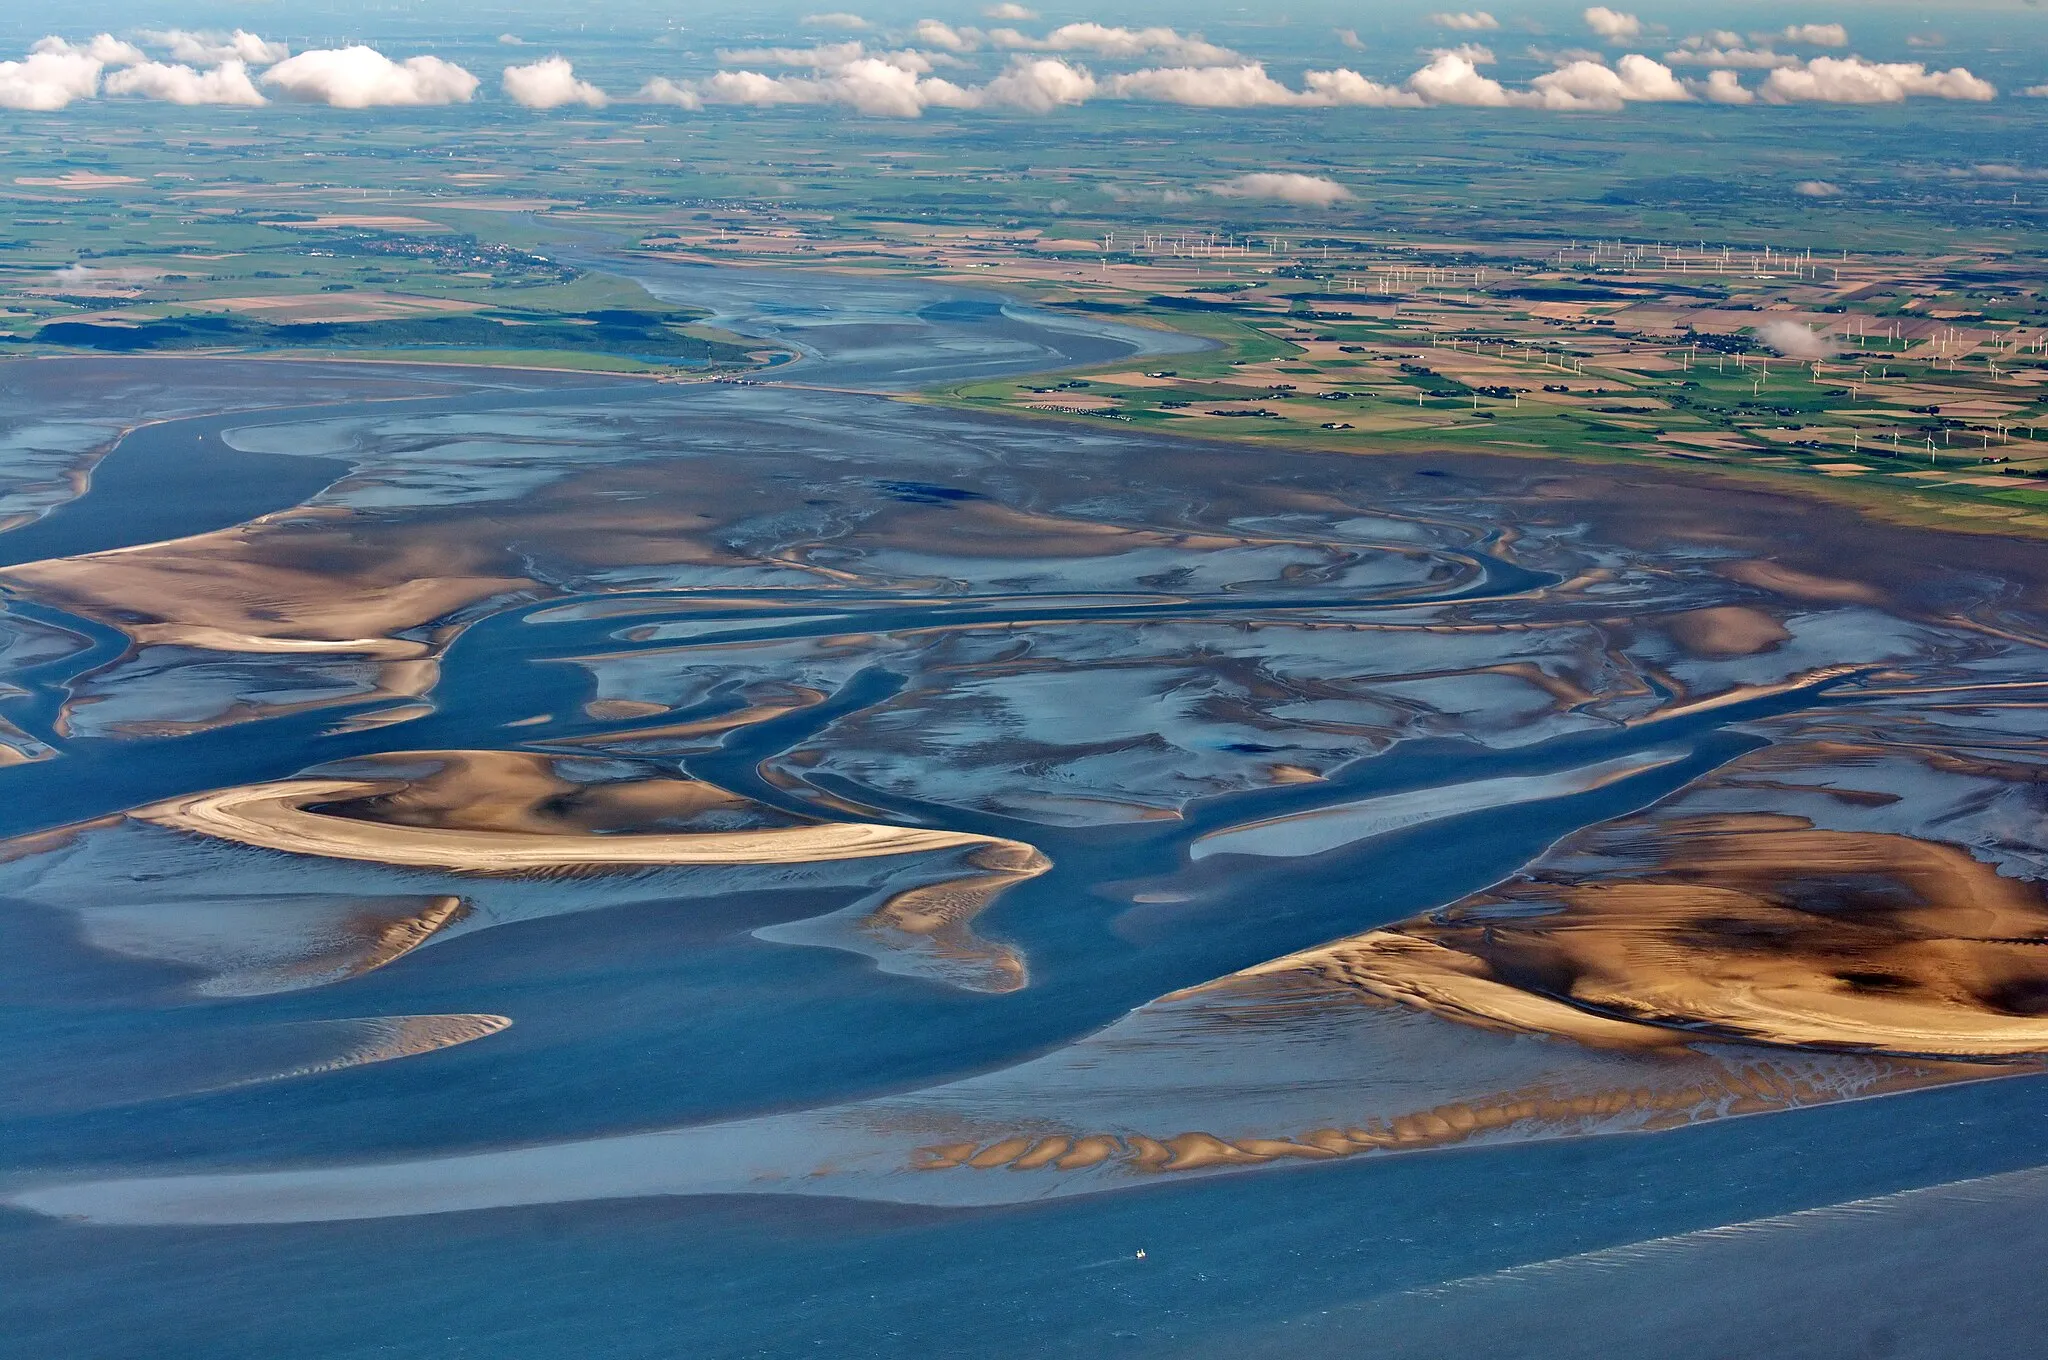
x=277, y=816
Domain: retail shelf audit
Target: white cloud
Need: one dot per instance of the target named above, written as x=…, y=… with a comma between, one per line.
x=1477, y=53
x=43, y=81
x=1011, y=12
x=511, y=40
x=1725, y=87
x=662, y=90
x=1350, y=88
x=899, y=84
x=1040, y=85
x=811, y=58
x=1248, y=85
x=1349, y=37
x=1312, y=191
x=1452, y=79
x=104, y=48
x=1207, y=87
x=1794, y=341
x=877, y=87
x=1852, y=80
x=868, y=85
x=945, y=37
x=835, y=19
x=1817, y=35
x=827, y=57
x=1612, y=24
x=550, y=83
x=1466, y=22
x=2036, y=92
x=210, y=48
x=227, y=83
x=1817, y=188
x=362, y=77
x=1592, y=85
x=1737, y=57
x=752, y=87
x=1118, y=42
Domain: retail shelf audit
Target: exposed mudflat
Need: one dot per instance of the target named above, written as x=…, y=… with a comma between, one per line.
x=526, y=792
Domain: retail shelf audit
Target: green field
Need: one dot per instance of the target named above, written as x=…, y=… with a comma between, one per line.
x=406, y=236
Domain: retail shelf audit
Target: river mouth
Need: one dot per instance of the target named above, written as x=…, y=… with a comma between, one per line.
x=662, y=791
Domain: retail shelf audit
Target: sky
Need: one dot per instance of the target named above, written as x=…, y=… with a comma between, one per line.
x=1001, y=58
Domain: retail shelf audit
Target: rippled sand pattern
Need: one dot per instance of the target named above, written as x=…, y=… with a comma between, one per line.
x=373, y=940
x=943, y=913
x=1756, y=1087
x=186, y=1061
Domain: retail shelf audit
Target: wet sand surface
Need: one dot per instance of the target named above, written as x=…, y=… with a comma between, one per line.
x=591, y=863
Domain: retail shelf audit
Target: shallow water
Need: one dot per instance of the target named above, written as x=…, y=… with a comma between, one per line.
x=935, y=883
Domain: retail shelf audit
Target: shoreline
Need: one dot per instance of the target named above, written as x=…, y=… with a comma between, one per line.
x=1896, y=508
